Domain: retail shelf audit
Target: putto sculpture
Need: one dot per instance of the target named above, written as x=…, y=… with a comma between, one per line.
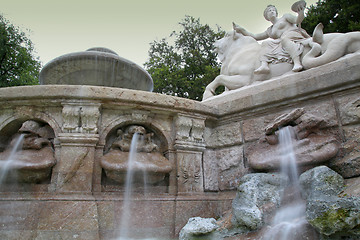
x=287, y=49
x=148, y=158
x=34, y=158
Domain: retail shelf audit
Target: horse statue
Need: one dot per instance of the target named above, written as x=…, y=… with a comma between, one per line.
x=240, y=57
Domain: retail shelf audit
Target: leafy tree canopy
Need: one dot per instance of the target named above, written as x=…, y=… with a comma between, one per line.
x=187, y=66
x=18, y=66
x=336, y=16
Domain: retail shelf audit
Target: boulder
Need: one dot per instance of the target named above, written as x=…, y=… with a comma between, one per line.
x=328, y=210
x=199, y=228
x=258, y=195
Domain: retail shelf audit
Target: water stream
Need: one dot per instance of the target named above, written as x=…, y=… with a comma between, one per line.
x=127, y=215
x=289, y=220
x=6, y=165
x=126, y=210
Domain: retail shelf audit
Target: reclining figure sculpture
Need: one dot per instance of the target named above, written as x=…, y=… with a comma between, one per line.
x=290, y=49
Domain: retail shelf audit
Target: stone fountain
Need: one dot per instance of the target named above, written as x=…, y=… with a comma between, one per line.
x=200, y=156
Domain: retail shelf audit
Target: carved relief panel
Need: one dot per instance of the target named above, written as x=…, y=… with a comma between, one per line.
x=80, y=117
x=190, y=173
x=189, y=129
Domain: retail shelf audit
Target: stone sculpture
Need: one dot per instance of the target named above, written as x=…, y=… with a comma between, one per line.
x=246, y=62
x=147, y=158
x=286, y=34
x=35, y=159
x=313, y=146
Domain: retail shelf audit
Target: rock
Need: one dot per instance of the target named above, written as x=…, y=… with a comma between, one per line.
x=199, y=228
x=328, y=209
x=340, y=216
x=349, y=163
x=283, y=120
x=258, y=194
x=321, y=181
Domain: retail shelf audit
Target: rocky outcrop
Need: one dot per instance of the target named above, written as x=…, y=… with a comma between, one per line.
x=329, y=210
x=258, y=194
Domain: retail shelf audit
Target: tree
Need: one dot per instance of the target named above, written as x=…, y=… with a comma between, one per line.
x=336, y=16
x=185, y=68
x=18, y=66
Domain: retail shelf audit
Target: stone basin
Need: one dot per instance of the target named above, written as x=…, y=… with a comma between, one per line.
x=30, y=166
x=115, y=165
x=98, y=67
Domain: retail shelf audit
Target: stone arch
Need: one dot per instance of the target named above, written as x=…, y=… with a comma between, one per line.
x=111, y=129
x=13, y=122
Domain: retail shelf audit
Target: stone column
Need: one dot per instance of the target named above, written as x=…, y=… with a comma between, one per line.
x=74, y=169
x=189, y=146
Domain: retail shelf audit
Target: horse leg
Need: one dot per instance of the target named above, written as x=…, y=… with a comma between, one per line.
x=211, y=87
x=230, y=82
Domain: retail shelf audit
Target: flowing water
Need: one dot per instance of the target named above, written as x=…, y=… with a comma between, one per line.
x=289, y=221
x=5, y=167
x=126, y=216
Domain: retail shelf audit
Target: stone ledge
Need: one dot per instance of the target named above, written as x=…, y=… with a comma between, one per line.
x=57, y=94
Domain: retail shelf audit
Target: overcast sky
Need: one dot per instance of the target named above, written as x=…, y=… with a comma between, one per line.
x=126, y=26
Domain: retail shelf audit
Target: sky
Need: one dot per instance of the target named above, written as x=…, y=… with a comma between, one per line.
x=126, y=26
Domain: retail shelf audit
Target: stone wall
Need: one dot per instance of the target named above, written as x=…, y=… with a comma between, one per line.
x=207, y=144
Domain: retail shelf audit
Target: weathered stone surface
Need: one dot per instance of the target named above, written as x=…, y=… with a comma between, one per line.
x=321, y=181
x=115, y=164
x=214, y=206
x=352, y=187
x=211, y=170
x=334, y=215
x=253, y=128
x=199, y=228
x=349, y=108
x=224, y=135
x=348, y=163
x=69, y=215
x=311, y=145
x=284, y=120
x=231, y=167
x=257, y=195
x=328, y=209
x=223, y=168
x=96, y=66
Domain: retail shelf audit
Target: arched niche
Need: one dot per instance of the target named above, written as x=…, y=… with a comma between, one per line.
x=158, y=137
x=27, y=151
x=149, y=161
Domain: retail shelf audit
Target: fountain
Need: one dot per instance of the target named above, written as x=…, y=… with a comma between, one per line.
x=98, y=67
x=217, y=159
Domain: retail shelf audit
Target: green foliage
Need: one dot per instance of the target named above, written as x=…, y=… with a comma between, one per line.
x=18, y=66
x=186, y=67
x=336, y=16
